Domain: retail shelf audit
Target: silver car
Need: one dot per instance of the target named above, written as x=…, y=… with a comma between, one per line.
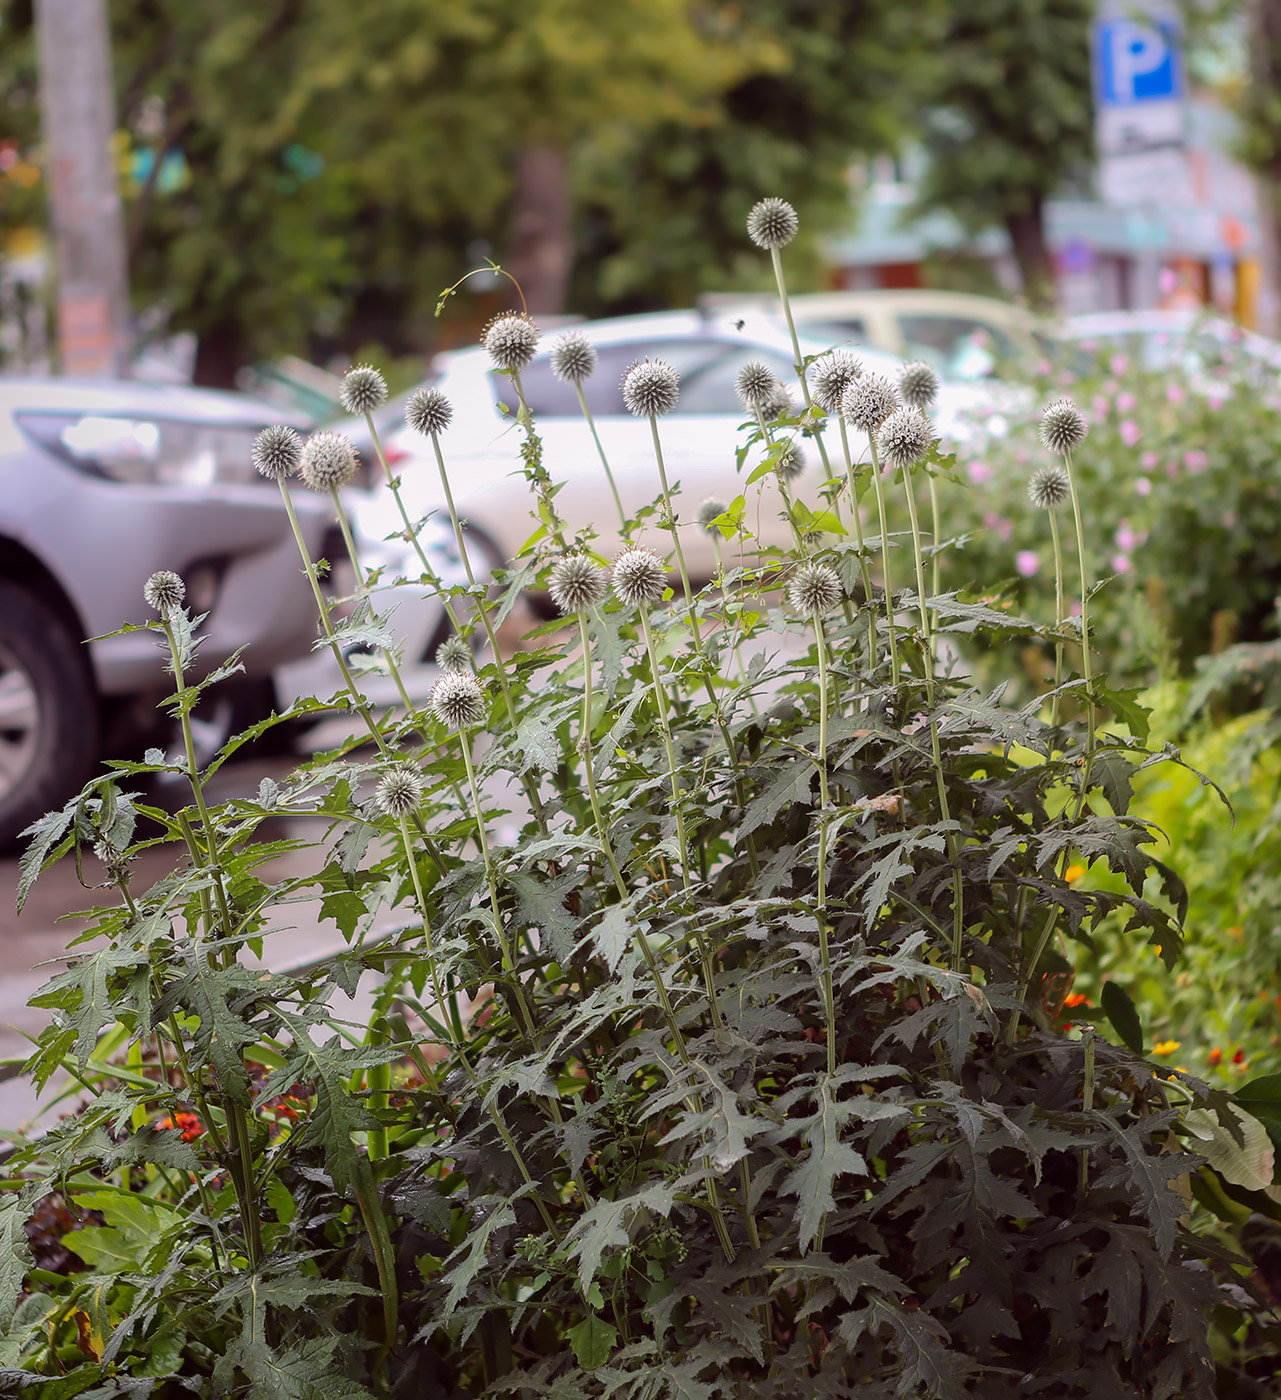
x=101, y=484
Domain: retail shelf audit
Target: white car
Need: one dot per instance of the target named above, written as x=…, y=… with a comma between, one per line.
x=1163, y=339
x=699, y=438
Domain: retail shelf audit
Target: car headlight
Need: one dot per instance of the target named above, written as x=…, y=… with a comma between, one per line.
x=150, y=450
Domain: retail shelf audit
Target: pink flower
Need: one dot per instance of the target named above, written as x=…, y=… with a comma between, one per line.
x=979, y=472
x=1148, y=461
x=1121, y=563
x=1174, y=393
x=1043, y=367
x=1026, y=562
x=1100, y=406
x=1125, y=403
x=1143, y=486
x=1022, y=456
x=1130, y=432
x=1003, y=527
x=1171, y=470
x=1119, y=364
x=1195, y=461
x=1216, y=402
x=1126, y=538
x=1110, y=387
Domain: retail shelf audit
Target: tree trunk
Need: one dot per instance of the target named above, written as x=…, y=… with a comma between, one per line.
x=1265, y=75
x=541, y=251
x=220, y=352
x=1027, y=237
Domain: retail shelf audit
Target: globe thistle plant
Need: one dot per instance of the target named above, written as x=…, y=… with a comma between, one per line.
x=869, y=401
x=650, y=388
x=772, y=224
x=754, y=385
x=1063, y=427
x=918, y=383
x=511, y=339
x=815, y=590
x=833, y=375
x=164, y=591
x=363, y=390
x=454, y=654
x=400, y=791
x=778, y=403
x=458, y=701
x=790, y=463
x=329, y=461
x=573, y=358
x=1049, y=487
x=277, y=452
x=577, y=584
x=710, y=511
x=428, y=411
x=640, y=578
x=905, y=438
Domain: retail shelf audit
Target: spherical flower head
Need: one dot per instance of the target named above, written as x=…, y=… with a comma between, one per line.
x=363, y=390
x=457, y=700
x=1063, y=427
x=754, y=385
x=772, y=223
x=277, y=451
x=1049, y=487
x=833, y=374
x=164, y=591
x=651, y=388
x=640, y=578
x=453, y=654
x=791, y=463
x=918, y=383
x=573, y=358
x=779, y=403
x=400, y=791
x=428, y=412
x=904, y=438
x=577, y=584
x=511, y=340
x=711, y=509
x=869, y=401
x=815, y=589
x=328, y=461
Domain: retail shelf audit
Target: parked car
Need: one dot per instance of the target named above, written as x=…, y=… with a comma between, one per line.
x=1162, y=339
x=964, y=336
x=101, y=484
x=699, y=439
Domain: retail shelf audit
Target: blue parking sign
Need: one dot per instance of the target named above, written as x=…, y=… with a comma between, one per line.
x=1136, y=62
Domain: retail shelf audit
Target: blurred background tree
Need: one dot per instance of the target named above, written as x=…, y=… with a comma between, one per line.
x=1011, y=120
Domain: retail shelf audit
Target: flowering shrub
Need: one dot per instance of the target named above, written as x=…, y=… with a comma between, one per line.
x=740, y=1067
x=1181, y=490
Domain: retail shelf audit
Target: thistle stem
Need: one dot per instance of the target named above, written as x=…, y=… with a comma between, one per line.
x=604, y=461
x=589, y=766
x=864, y=568
x=776, y=258
x=1090, y=717
x=935, y=532
x=883, y=517
x=782, y=483
x=1058, y=615
x=825, y=956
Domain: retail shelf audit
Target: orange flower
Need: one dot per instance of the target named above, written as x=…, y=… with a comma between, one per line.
x=1076, y=999
x=187, y=1123
x=1216, y=1056
x=1073, y=873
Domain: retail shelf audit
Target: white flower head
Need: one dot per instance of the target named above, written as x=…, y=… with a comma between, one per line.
x=457, y=700
x=650, y=388
x=363, y=390
x=573, y=358
x=577, y=584
x=772, y=223
x=328, y=461
x=869, y=401
x=815, y=589
x=833, y=374
x=454, y=654
x=400, y=790
x=277, y=451
x=779, y=403
x=791, y=462
x=918, y=383
x=754, y=385
x=1063, y=427
x=164, y=591
x=640, y=578
x=511, y=339
x=428, y=411
x=905, y=437
x=1049, y=487
x=711, y=509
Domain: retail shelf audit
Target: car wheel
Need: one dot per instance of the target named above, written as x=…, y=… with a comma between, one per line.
x=48, y=712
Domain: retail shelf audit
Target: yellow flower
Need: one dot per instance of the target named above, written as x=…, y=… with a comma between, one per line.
x=1073, y=873
x=1165, y=1047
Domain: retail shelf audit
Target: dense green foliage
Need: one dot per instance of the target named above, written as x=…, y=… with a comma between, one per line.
x=734, y=1057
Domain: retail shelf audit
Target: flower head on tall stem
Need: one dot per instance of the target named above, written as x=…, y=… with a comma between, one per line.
x=329, y=461
x=1063, y=427
x=779, y=403
x=400, y=790
x=918, y=383
x=650, y=388
x=164, y=591
x=905, y=437
x=457, y=700
x=869, y=401
x=815, y=590
x=511, y=339
x=709, y=512
x=1049, y=487
x=428, y=412
x=772, y=223
x=454, y=654
x=573, y=358
x=363, y=390
x=640, y=578
x=754, y=385
x=277, y=452
x=791, y=463
x=576, y=584
x=833, y=375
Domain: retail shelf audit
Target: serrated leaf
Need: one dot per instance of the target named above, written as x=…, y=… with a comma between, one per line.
x=1250, y=1165
x=592, y=1339
x=1120, y=1009
x=612, y=936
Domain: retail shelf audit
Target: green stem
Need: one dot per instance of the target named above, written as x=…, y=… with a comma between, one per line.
x=776, y=258
x=589, y=766
x=825, y=956
x=782, y=483
x=1087, y=1103
x=864, y=568
x=1090, y=717
x=883, y=516
x=604, y=461
x=1058, y=614
x=935, y=532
